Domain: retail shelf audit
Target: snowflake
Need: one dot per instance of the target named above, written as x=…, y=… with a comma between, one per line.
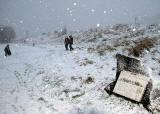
x=104, y=12
x=74, y=20
x=21, y=21
x=1, y=29
x=98, y=25
x=68, y=9
x=111, y=10
x=92, y=10
x=74, y=3
x=134, y=29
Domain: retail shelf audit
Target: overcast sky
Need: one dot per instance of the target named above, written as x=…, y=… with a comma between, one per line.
x=37, y=16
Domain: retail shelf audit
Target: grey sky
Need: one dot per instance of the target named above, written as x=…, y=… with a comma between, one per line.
x=38, y=16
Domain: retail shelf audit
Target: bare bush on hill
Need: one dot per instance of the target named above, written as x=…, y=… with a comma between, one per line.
x=140, y=46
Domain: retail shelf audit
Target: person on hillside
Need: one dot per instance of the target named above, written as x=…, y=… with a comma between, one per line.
x=7, y=50
x=70, y=42
x=66, y=42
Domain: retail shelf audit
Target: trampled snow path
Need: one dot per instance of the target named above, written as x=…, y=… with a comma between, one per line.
x=47, y=79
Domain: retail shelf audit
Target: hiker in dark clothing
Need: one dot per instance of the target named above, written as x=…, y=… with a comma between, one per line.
x=7, y=50
x=66, y=42
x=70, y=42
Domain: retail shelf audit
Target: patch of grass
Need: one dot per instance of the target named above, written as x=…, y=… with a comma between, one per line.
x=99, y=34
x=42, y=99
x=101, y=52
x=90, y=50
x=109, y=48
x=111, y=32
x=126, y=42
x=89, y=61
x=86, y=62
x=76, y=78
x=116, y=44
x=76, y=96
x=104, y=40
x=92, y=40
x=102, y=48
x=140, y=46
x=89, y=80
x=126, y=36
x=120, y=27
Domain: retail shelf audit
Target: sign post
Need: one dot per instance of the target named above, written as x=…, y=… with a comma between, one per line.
x=131, y=85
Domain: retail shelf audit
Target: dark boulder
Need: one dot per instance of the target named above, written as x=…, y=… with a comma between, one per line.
x=125, y=63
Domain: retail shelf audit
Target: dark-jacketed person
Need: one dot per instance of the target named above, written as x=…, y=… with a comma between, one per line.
x=70, y=42
x=7, y=50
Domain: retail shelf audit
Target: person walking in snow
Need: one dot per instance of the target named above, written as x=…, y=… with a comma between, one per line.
x=7, y=50
x=66, y=42
x=70, y=42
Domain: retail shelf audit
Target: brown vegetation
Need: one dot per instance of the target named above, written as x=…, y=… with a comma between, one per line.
x=86, y=62
x=109, y=48
x=140, y=46
x=89, y=80
x=116, y=44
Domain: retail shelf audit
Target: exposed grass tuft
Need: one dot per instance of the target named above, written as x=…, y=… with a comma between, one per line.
x=89, y=80
x=144, y=44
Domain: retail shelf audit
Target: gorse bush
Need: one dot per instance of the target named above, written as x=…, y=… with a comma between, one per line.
x=144, y=44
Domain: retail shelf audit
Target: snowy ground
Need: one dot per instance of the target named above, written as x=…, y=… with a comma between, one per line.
x=47, y=79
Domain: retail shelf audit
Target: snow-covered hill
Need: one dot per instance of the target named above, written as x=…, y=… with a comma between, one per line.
x=47, y=79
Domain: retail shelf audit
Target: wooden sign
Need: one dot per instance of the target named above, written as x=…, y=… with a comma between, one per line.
x=131, y=85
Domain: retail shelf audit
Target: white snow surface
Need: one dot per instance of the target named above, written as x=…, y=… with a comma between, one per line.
x=47, y=79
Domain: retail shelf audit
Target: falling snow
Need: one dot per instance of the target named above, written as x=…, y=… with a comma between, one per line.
x=74, y=20
x=70, y=11
x=21, y=21
x=98, y=25
x=74, y=3
x=92, y=10
x=134, y=29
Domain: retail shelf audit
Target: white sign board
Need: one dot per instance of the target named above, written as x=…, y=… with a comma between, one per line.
x=131, y=85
